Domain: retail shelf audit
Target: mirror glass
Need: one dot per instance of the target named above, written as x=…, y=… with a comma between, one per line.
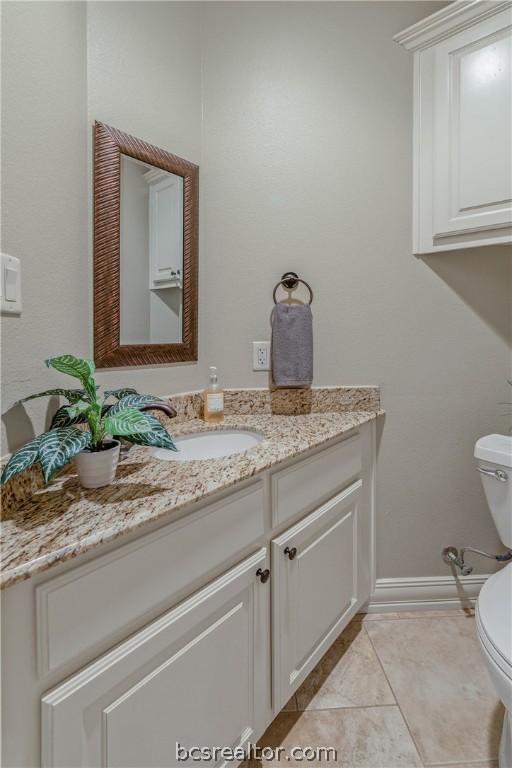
x=151, y=254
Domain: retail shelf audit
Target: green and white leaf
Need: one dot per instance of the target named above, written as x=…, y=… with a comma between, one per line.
x=73, y=395
x=158, y=436
x=58, y=446
x=78, y=367
x=133, y=401
x=78, y=409
x=127, y=422
x=119, y=393
x=74, y=366
x=62, y=418
x=21, y=459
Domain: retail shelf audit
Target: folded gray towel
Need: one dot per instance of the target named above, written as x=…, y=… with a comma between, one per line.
x=292, y=345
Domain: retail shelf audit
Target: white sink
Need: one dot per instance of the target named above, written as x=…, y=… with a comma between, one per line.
x=210, y=445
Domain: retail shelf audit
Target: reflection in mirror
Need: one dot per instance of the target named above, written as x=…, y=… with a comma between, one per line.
x=151, y=258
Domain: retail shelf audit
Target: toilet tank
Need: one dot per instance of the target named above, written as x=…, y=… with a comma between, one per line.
x=494, y=457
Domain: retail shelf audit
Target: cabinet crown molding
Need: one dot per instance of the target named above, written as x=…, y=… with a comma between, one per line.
x=454, y=18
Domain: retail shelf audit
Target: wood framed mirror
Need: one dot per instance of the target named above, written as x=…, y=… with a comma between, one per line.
x=146, y=209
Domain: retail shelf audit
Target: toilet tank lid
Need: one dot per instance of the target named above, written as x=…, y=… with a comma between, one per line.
x=496, y=449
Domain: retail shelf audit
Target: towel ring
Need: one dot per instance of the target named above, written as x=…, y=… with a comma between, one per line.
x=290, y=281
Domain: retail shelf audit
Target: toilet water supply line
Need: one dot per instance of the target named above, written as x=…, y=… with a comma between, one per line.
x=453, y=556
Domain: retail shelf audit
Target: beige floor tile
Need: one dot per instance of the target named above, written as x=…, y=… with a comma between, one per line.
x=440, y=681
x=297, y=730
x=440, y=614
x=349, y=675
x=485, y=764
x=374, y=737
x=364, y=617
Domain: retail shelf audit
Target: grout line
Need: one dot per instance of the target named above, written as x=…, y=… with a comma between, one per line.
x=449, y=614
x=475, y=763
x=433, y=618
x=344, y=709
x=420, y=755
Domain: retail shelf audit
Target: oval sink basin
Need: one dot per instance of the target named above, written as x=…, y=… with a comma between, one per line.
x=210, y=445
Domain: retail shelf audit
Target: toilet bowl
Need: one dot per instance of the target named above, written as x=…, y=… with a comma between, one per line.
x=494, y=628
x=494, y=604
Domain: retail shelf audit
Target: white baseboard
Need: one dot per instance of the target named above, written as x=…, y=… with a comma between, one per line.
x=425, y=593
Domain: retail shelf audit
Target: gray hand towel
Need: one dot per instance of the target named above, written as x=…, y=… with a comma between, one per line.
x=292, y=345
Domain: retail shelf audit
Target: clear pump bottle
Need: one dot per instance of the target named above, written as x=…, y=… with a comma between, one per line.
x=213, y=399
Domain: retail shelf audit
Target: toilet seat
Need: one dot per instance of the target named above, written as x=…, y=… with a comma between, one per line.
x=494, y=619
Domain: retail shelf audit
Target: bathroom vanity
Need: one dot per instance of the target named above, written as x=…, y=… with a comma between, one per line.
x=188, y=601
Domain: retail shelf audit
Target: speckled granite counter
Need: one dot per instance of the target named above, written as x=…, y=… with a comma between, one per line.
x=65, y=520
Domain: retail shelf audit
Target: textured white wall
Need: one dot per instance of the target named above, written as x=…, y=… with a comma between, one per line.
x=135, y=65
x=307, y=166
x=301, y=122
x=44, y=199
x=144, y=77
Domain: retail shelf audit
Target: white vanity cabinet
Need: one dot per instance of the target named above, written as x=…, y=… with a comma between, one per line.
x=197, y=676
x=462, y=187
x=196, y=631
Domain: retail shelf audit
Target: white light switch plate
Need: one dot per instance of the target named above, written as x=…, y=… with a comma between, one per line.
x=10, y=285
x=261, y=355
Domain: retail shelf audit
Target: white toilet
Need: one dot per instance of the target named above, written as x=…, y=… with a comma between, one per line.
x=494, y=605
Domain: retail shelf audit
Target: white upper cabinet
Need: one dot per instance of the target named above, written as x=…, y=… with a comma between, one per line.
x=462, y=193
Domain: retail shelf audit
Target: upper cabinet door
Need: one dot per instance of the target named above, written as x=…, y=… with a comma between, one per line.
x=462, y=165
x=199, y=676
x=473, y=130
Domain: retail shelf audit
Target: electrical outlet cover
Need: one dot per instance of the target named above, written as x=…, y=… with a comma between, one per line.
x=261, y=355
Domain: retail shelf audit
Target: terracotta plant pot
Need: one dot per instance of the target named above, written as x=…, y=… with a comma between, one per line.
x=98, y=468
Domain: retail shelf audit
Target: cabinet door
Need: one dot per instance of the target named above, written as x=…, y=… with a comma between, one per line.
x=472, y=130
x=314, y=566
x=199, y=676
x=165, y=227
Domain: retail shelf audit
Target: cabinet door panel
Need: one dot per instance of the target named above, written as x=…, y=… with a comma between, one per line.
x=315, y=593
x=166, y=228
x=473, y=126
x=121, y=587
x=326, y=568
x=198, y=676
x=307, y=483
x=171, y=702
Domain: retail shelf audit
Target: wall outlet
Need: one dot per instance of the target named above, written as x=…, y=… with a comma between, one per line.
x=261, y=355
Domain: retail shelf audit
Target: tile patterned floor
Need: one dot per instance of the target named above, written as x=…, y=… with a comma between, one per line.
x=396, y=690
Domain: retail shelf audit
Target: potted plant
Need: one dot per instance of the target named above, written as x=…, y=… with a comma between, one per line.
x=87, y=426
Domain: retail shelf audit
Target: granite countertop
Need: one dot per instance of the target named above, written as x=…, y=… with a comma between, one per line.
x=64, y=520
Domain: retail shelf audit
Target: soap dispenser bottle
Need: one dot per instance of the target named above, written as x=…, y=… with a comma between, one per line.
x=213, y=399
